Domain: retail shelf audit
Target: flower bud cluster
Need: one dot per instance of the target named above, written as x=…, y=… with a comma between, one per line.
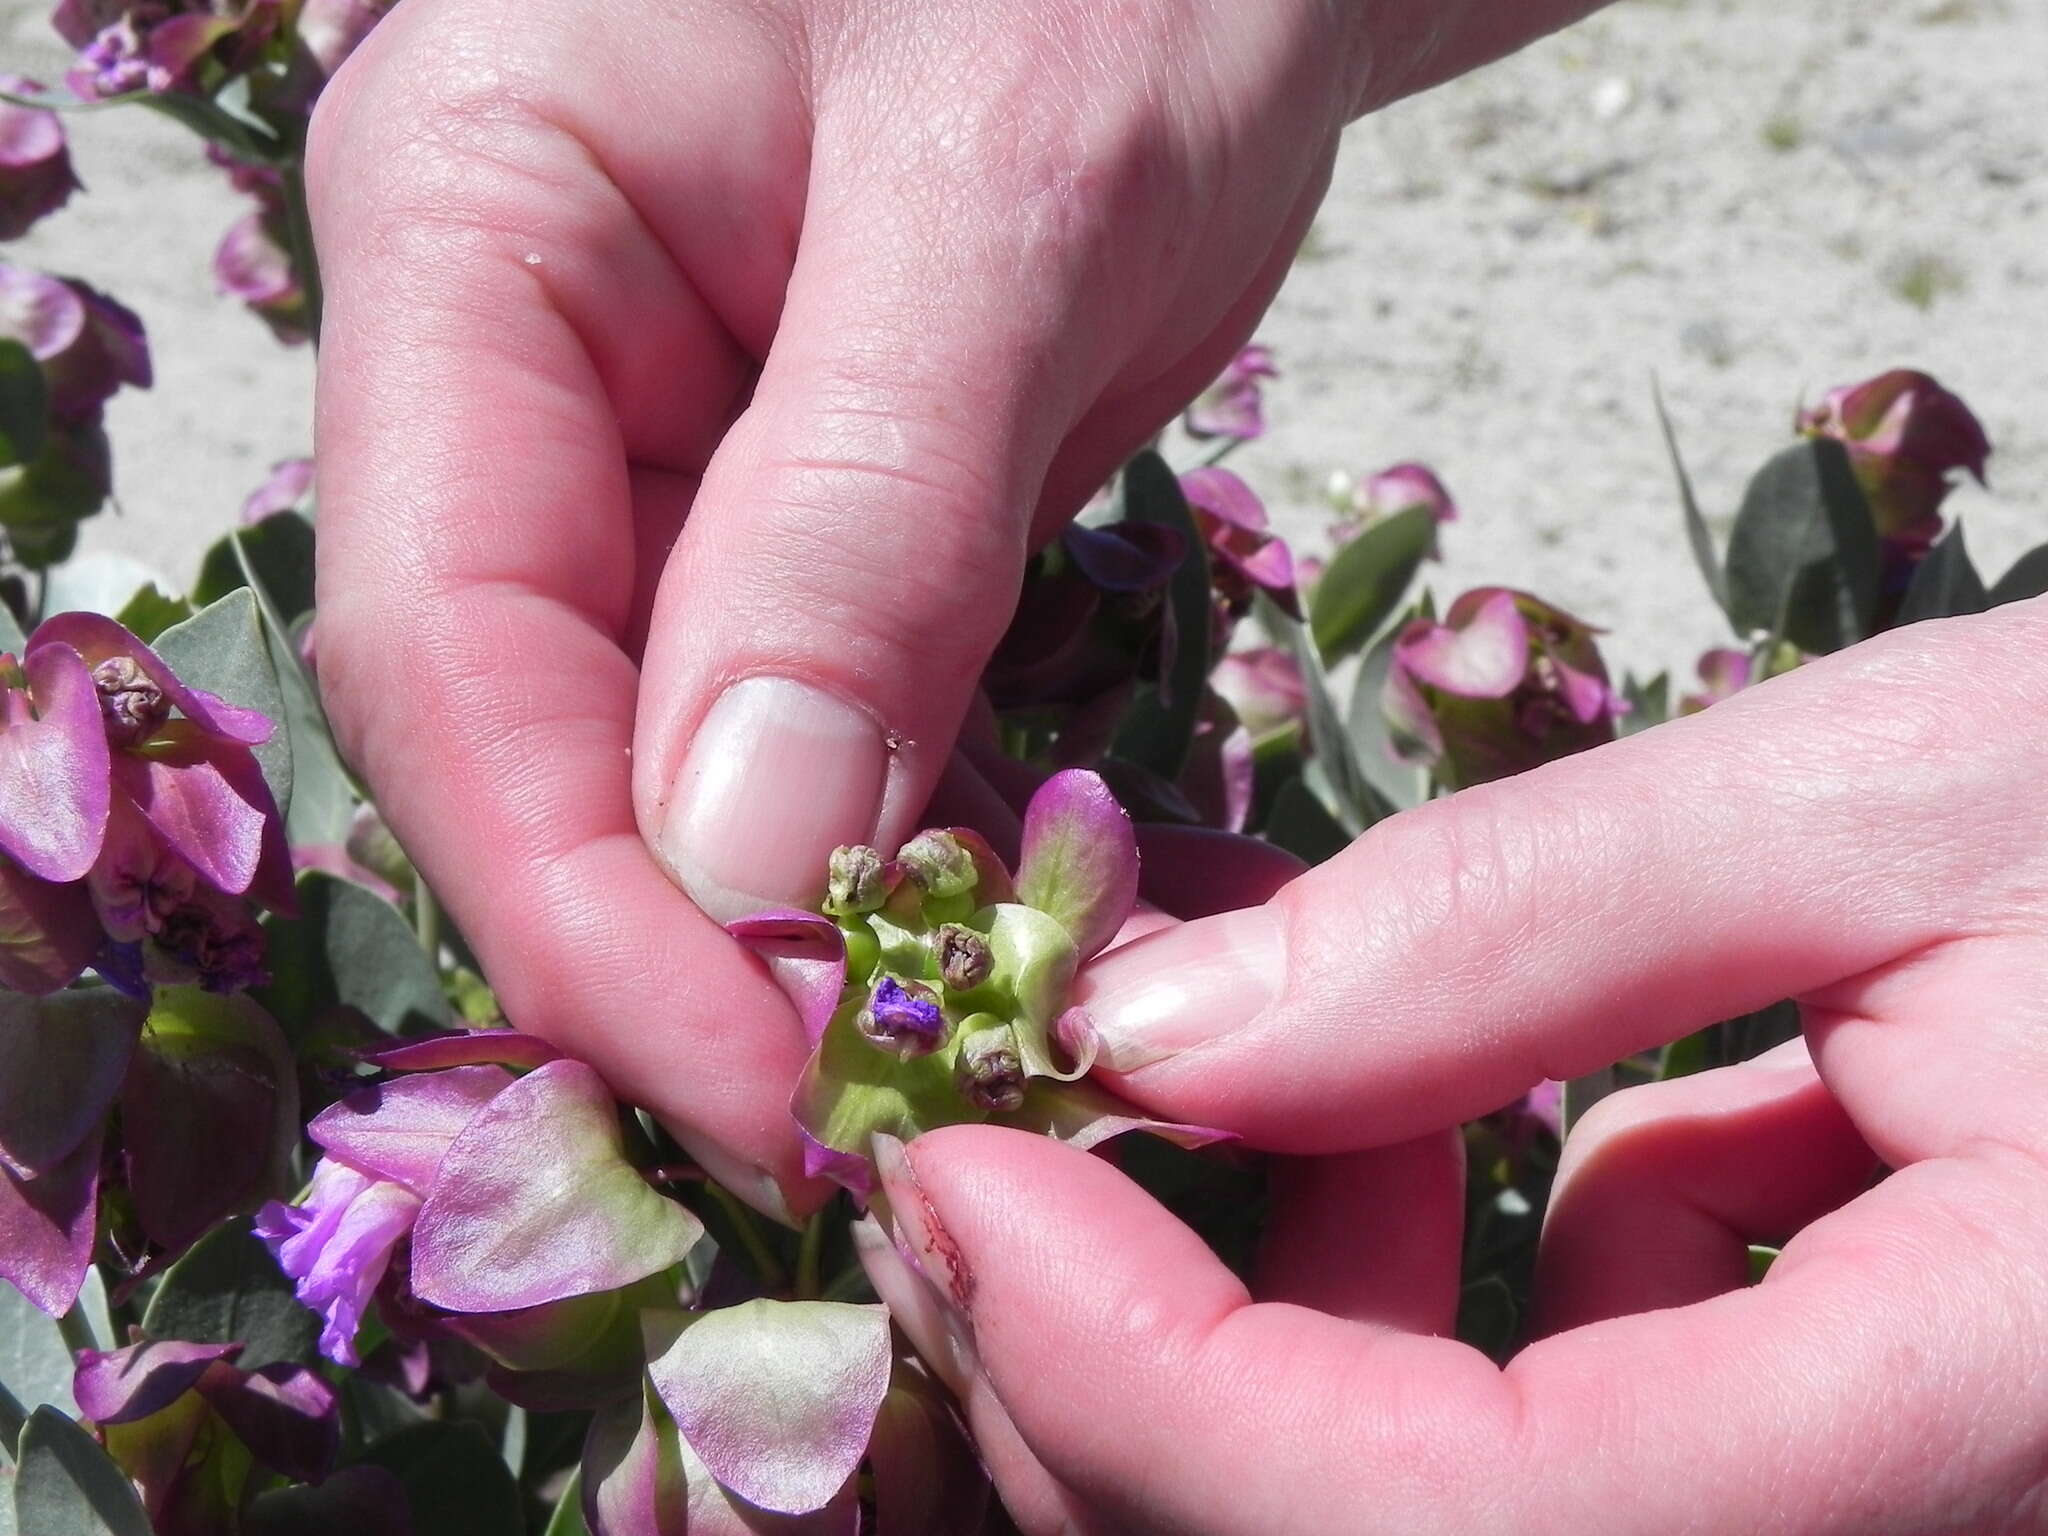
x=137, y=833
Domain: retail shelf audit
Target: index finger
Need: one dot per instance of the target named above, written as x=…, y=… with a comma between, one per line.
x=1862, y=809
x=492, y=451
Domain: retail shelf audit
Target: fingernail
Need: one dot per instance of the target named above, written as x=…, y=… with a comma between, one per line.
x=916, y=1226
x=935, y=1331
x=1173, y=990
x=778, y=775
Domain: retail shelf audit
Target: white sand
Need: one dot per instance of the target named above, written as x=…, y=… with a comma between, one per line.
x=1731, y=193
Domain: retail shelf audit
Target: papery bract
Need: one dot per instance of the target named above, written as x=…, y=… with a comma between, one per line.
x=1233, y=406
x=54, y=765
x=35, y=163
x=1264, y=687
x=88, y=345
x=286, y=487
x=1723, y=674
x=534, y=1201
x=777, y=1398
x=49, y=933
x=1504, y=683
x=1079, y=863
x=47, y=1227
x=1906, y=435
x=1245, y=555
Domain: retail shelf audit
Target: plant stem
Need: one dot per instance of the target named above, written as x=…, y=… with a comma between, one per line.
x=426, y=918
x=77, y=1330
x=810, y=1256
x=767, y=1268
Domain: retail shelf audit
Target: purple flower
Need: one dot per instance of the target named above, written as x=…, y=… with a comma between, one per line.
x=443, y=1162
x=88, y=345
x=1076, y=884
x=1504, y=683
x=1723, y=674
x=1245, y=555
x=35, y=163
x=908, y=1023
x=1906, y=436
x=284, y=489
x=1232, y=407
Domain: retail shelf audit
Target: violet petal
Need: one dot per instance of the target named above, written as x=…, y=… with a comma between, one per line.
x=778, y=1398
x=492, y=1236
x=337, y=1245
x=1080, y=858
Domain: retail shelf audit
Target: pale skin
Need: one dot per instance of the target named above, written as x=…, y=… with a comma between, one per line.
x=670, y=348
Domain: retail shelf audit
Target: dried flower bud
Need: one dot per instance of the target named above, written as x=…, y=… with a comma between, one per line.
x=903, y=1019
x=965, y=960
x=991, y=1071
x=940, y=863
x=130, y=700
x=856, y=880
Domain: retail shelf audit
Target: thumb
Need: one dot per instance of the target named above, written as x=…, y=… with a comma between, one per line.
x=851, y=559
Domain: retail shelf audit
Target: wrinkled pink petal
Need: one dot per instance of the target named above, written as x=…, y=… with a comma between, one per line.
x=54, y=768
x=1080, y=858
x=337, y=1245
x=1484, y=658
x=398, y=1130
x=121, y=1385
x=778, y=1398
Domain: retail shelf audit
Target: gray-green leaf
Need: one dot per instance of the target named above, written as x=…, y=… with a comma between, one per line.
x=65, y=1485
x=222, y=649
x=1803, y=559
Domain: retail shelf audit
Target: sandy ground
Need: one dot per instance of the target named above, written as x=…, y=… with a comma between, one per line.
x=1751, y=200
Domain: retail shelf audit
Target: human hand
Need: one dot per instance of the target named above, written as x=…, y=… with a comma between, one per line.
x=1864, y=835
x=694, y=384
